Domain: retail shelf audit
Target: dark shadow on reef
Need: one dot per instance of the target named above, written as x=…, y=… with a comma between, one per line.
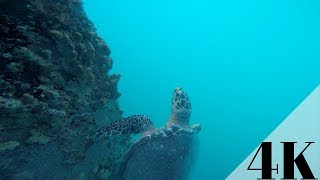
x=54, y=90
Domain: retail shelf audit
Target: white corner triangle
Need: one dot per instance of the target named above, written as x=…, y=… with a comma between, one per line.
x=302, y=125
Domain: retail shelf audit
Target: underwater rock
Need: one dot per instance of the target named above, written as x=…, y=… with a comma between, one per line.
x=10, y=104
x=7, y=56
x=38, y=138
x=78, y=36
x=55, y=88
x=56, y=34
x=103, y=174
x=10, y=145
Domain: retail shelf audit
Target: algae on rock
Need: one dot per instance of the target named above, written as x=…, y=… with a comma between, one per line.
x=38, y=138
x=10, y=145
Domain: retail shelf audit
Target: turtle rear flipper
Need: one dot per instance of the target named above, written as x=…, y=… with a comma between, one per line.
x=134, y=124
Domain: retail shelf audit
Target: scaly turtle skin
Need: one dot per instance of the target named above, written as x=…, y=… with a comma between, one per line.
x=160, y=153
x=130, y=125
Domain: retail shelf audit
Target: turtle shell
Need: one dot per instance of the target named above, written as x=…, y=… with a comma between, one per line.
x=168, y=154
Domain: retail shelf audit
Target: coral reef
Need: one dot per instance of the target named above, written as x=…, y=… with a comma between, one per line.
x=54, y=86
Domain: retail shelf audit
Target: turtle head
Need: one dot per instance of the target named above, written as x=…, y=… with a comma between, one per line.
x=181, y=107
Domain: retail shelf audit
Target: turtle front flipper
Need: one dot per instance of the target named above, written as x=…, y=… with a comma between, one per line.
x=134, y=124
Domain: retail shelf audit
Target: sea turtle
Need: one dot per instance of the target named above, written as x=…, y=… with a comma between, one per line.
x=161, y=153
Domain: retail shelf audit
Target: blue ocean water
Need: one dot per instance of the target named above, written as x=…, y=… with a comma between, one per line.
x=246, y=65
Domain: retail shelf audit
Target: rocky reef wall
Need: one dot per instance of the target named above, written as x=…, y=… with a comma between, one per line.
x=54, y=89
